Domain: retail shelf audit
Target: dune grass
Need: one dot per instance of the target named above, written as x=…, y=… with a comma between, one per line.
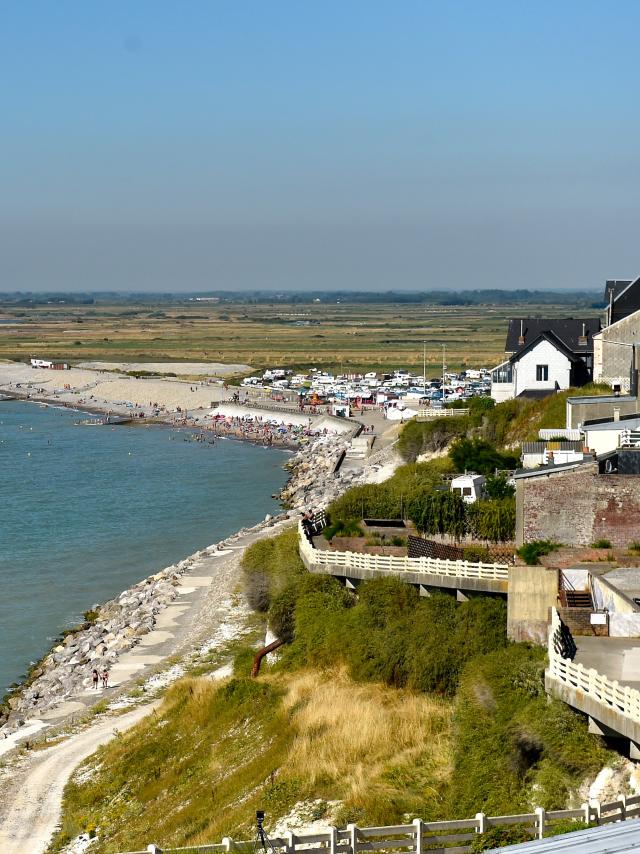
x=198, y=768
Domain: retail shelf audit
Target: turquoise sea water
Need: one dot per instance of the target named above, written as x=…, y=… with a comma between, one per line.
x=87, y=511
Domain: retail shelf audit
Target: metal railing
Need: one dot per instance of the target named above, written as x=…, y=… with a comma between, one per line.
x=419, y=837
x=393, y=564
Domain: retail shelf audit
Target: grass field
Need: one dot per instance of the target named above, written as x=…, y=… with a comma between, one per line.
x=340, y=337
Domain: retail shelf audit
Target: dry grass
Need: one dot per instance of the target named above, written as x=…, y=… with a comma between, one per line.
x=339, y=336
x=368, y=743
x=213, y=753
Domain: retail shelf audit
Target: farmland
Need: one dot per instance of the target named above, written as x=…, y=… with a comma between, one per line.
x=332, y=336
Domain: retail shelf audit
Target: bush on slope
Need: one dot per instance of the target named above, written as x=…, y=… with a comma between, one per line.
x=513, y=748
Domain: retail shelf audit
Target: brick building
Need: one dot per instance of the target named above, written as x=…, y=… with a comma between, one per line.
x=579, y=503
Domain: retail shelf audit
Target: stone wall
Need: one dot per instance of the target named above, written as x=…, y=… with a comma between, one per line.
x=578, y=506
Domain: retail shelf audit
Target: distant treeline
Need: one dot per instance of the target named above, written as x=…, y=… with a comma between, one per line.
x=492, y=296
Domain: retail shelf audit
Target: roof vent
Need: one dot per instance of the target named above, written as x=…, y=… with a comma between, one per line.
x=521, y=336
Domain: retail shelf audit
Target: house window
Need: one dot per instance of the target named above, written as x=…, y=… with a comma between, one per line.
x=466, y=490
x=542, y=373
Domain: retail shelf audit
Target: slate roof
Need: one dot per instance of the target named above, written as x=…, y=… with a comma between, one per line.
x=567, y=329
x=617, y=286
x=553, y=339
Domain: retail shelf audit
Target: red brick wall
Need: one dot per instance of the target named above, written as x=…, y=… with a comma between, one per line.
x=579, y=506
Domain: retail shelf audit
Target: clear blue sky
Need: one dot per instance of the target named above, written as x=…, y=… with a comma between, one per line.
x=153, y=144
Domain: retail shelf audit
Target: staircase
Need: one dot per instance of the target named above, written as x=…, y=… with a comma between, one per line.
x=578, y=599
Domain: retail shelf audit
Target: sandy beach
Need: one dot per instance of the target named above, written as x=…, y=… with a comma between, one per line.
x=107, y=391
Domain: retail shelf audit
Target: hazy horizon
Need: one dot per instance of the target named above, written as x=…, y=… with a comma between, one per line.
x=373, y=146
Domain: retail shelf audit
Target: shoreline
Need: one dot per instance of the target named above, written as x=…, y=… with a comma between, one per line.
x=60, y=675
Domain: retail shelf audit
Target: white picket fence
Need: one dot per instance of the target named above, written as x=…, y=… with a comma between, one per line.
x=440, y=413
x=393, y=564
x=608, y=692
x=420, y=837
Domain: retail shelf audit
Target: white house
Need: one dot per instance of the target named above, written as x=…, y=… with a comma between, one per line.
x=469, y=486
x=545, y=355
x=541, y=367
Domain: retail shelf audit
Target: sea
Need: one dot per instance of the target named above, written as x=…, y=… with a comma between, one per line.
x=87, y=511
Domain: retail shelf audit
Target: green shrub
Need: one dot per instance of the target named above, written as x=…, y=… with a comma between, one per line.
x=440, y=513
x=269, y=566
x=533, y=551
x=343, y=528
x=512, y=746
x=497, y=486
x=419, y=437
x=393, y=498
x=480, y=456
x=493, y=520
x=392, y=635
x=601, y=544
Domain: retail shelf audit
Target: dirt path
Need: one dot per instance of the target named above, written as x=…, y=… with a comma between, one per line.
x=34, y=799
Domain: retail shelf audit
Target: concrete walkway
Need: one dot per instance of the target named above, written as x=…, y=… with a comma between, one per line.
x=200, y=607
x=615, y=658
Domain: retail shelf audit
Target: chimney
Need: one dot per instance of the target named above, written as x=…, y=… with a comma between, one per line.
x=582, y=339
x=521, y=338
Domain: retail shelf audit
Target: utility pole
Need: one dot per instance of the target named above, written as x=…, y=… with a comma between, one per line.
x=424, y=368
x=444, y=367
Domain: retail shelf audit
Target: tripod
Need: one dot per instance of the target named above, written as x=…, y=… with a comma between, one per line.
x=262, y=841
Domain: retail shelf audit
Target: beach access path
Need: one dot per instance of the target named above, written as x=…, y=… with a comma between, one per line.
x=32, y=781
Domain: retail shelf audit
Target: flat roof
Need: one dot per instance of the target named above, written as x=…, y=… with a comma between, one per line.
x=625, y=423
x=605, y=398
x=551, y=468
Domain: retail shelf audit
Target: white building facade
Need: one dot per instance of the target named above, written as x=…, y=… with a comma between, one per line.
x=543, y=366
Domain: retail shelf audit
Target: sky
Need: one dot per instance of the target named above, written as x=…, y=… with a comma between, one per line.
x=359, y=144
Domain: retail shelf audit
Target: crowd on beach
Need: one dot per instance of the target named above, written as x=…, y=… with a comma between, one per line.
x=263, y=431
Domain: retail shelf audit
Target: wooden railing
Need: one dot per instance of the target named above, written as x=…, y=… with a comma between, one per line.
x=397, y=564
x=422, y=837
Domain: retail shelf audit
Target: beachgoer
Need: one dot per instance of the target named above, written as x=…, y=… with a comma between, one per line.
x=105, y=678
x=95, y=677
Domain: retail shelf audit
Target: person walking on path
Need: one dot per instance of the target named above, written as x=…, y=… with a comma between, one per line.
x=105, y=678
x=95, y=677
